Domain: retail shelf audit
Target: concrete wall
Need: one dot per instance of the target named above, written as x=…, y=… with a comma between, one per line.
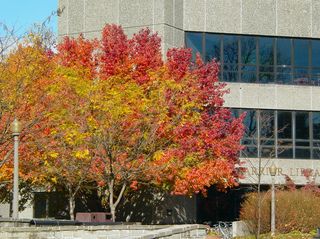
x=4, y=210
x=105, y=232
x=89, y=17
x=170, y=18
x=261, y=17
x=272, y=96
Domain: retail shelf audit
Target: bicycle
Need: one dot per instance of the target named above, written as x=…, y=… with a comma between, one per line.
x=223, y=229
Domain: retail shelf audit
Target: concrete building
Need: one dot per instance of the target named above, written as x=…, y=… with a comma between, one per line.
x=269, y=52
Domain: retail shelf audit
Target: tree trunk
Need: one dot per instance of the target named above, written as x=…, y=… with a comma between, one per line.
x=113, y=205
x=72, y=205
x=113, y=213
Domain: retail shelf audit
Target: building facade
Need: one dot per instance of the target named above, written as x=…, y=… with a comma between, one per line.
x=269, y=51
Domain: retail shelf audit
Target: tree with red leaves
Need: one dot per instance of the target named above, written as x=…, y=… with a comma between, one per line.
x=152, y=121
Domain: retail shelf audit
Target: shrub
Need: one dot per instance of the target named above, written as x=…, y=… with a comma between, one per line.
x=296, y=210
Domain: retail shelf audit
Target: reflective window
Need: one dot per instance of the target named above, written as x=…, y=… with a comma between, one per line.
x=315, y=51
x=230, y=49
x=213, y=47
x=259, y=59
x=250, y=122
x=285, y=153
x=266, y=50
x=291, y=134
x=301, y=52
x=302, y=153
x=248, y=50
x=316, y=125
x=267, y=124
x=194, y=41
x=283, y=51
x=302, y=125
x=284, y=125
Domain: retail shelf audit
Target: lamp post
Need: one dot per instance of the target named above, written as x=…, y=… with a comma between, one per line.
x=273, y=171
x=15, y=129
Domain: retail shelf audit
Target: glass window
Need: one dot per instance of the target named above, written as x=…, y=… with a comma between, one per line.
x=266, y=78
x=316, y=153
x=266, y=54
x=303, y=153
x=230, y=49
x=248, y=74
x=194, y=41
x=267, y=124
x=302, y=125
x=315, y=77
x=213, y=46
x=285, y=153
x=267, y=152
x=301, y=76
x=280, y=60
x=249, y=152
x=235, y=113
x=301, y=52
x=250, y=122
x=230, y=76
x=248, y=50
x=315, y=52
x=283, y=51
x=316, y=125
x=284, y=125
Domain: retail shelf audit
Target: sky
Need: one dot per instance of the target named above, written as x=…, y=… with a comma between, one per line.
x=22, y=14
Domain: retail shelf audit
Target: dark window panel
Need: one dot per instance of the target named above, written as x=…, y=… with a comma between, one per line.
x=301, y=76
x=266, y=78
x=315, y=49
x=249, y=77
x=285, y=153
x=235, y=113
x=248, y=50
x=284, y=79
x=250, y=122
x=284, y=75
x=213, y=46
x=284, y=124
x=302, y=143
x=267, y=152
x=283, y=51
x=316, y=153
x=267, y=142
x=301, y=52
x=266, y=69
x=285, y=143
x=194, y=41
x=303, y=153
x=266, y=52
x=267, y=124
x=230, y=67
x=316, y=125
x=302, y=125
x=315, y=76
x=249, y=141
x=230, y=76
x=249, y=152
x=230, y=49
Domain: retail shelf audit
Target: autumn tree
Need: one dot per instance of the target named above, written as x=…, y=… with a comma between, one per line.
x=151, y=121
x=24, y=75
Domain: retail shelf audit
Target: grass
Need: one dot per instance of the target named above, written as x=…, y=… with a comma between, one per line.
x=291, y=235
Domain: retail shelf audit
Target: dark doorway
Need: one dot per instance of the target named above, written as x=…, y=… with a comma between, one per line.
x=220, y=206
